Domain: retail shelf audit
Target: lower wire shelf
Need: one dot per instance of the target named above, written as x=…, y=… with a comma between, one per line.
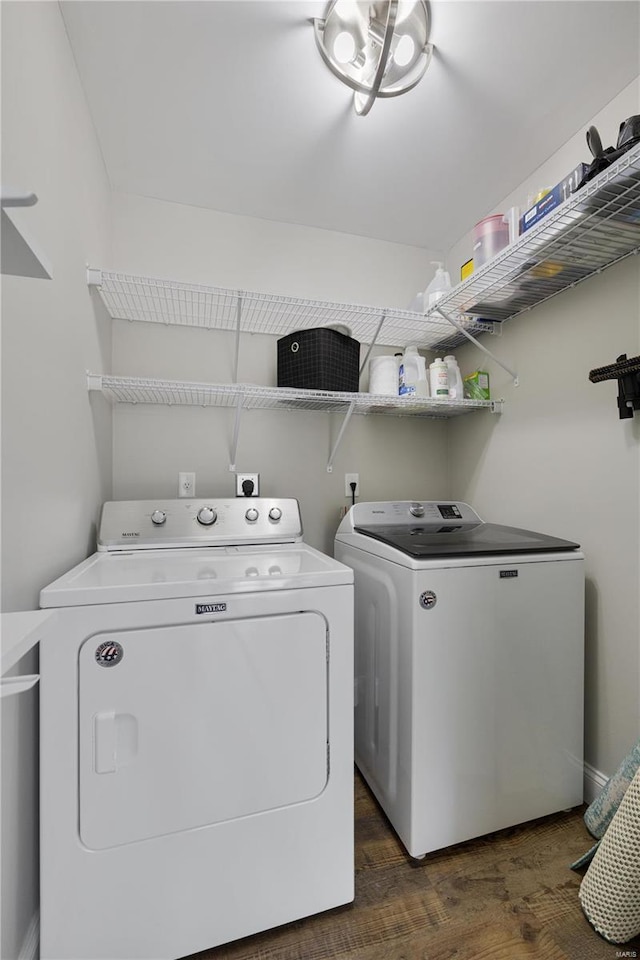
x=249, y=396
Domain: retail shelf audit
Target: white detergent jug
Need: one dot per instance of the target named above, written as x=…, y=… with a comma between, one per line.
x=456, y=390
x=412, y=375
x=439, y=374
x=383, y=375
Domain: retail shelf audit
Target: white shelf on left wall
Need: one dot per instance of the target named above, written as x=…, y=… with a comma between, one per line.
x=19, y=255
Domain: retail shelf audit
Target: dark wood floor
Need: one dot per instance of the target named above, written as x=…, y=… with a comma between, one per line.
x=510, y=896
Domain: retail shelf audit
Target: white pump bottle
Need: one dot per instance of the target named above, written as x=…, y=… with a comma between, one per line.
x=439, y=286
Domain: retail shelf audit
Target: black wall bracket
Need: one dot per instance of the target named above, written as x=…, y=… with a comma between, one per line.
x=627, y=373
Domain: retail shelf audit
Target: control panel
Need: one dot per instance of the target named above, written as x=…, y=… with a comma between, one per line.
x=146, y=524
x=406, y=512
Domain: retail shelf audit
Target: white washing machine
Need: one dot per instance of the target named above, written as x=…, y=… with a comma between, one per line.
x=469, y=642
x=196, y=732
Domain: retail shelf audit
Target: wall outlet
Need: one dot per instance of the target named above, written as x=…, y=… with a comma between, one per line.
x=350, y=478
x=248, y=478
x=186, y=484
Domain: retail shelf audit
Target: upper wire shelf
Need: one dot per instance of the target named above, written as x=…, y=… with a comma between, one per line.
x=593, y=229
x=129, y=297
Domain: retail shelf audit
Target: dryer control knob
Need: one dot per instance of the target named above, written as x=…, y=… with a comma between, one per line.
x=251, y=514
x=275, y=513
x=158, y=517
x=206, y=516
x=416, y=510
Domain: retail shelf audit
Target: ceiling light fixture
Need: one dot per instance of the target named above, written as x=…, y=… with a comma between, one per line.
x=379, y=48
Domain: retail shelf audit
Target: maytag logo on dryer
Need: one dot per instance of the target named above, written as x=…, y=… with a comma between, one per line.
x=508, y=574
x=210, y=607
x=109, y=653
x=131, y=533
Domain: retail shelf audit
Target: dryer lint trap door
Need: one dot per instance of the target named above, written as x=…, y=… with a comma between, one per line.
x=196, y=724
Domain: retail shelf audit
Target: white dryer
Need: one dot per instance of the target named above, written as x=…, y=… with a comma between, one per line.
x=469, y=644
x=196, y=732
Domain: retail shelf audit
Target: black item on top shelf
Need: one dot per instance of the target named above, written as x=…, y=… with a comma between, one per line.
x=627, y=373
x=319, y=359
x=628, y=135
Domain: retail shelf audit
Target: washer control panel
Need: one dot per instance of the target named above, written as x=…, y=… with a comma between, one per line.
x=148, y=524
x=406, y=512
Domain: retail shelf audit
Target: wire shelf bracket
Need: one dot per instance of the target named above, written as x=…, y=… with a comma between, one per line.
x=472, y=339
x=236, y=435
x=341, y=432
x=236, y=359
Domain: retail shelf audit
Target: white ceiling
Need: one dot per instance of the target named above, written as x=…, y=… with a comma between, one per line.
x=226, y=104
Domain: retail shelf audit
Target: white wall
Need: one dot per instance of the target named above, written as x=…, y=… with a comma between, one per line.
x=56, y=448
x=395, y=457
x=559, y=459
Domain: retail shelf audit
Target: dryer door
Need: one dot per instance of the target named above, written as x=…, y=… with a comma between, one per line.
x=194, y=724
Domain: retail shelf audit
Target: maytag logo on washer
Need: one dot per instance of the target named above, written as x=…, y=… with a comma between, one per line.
x=109, y=653
x=210, y=607
x=428, y=600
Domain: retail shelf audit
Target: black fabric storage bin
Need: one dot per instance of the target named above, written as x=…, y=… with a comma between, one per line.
x=319, y=359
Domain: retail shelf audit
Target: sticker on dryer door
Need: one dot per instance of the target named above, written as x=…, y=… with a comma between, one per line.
x=109, y=653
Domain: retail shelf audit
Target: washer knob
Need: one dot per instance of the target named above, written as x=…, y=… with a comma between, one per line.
x=251, y=514
x=158, y=517
x=275, y=513
x=416, y=510
x=206, y=516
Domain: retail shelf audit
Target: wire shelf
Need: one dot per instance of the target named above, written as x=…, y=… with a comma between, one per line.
x=591, y=230
x=247, y=396
x=148, y=299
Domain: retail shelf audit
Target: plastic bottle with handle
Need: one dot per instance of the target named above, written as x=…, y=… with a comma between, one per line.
x=456, y=388
x=439, y=377
x=413, y=374
x=439, y=286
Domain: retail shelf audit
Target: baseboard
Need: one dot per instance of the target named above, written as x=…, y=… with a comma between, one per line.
x=30, y=949
x=594, y=781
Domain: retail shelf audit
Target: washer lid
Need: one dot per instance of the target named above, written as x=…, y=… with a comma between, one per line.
x=428, y=541
x=191, y=572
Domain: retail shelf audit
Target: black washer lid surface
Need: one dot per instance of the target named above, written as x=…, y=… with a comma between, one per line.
x=464, y=539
